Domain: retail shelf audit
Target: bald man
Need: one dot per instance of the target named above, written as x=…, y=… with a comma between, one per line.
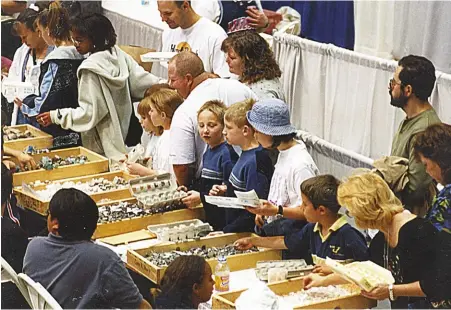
x=186, y=74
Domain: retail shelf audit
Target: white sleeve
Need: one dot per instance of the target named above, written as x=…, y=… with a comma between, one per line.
x=299, y=176
x=183, y=146
x=207, y=8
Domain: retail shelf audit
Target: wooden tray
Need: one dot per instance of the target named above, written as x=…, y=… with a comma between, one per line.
x=34, y=203
x=41, y=140
x=137, y=259
x=133, y=224
x=355, y=301
x=95, y=164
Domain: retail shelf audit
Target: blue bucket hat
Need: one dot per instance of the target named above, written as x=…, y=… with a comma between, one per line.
x=271, y=117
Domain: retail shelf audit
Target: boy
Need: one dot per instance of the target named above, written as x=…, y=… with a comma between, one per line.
x=326, y=235
x=253, y=170
x=218, y=160
x=77, y=272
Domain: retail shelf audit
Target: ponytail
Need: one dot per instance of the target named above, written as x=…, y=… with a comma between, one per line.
x=56, y=19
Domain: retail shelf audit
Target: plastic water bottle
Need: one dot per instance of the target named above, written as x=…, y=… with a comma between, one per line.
x=222, y=275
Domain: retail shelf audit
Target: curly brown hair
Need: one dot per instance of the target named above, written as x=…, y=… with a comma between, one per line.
x=258, y=59
x=435, y=144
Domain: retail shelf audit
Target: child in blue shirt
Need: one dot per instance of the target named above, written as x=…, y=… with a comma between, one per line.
x=253, y=170
x=326, y=235
x=218, y=160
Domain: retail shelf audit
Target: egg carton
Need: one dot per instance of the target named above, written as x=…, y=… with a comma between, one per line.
x=295, y=268
x=180, y=231
x=155, y=191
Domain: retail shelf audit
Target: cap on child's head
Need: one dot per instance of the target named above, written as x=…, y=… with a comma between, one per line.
x=271, y=117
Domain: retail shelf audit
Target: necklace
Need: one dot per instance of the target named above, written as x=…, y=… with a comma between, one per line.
x=387, y=251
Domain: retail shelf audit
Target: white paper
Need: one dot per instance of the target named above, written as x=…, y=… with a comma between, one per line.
x=21, y=90
x=157, y=56
x=248, y=199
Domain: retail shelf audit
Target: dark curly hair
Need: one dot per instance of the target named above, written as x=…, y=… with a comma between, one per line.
x=435, y=144
x=418, y=72
x=258, y=59
x=97, y=28
x=180, y=276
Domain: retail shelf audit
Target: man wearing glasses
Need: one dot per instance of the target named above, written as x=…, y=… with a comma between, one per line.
x=409, y=90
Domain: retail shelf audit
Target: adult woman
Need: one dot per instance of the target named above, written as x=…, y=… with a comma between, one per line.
x=433, y=148
x=58, y=80
x=186, y=283
x=250, y=57
x=405, y=243
x=27, y=58
x=108, y=79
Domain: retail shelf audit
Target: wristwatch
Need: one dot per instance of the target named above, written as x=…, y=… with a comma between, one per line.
x=391, y=296
x=280, y=211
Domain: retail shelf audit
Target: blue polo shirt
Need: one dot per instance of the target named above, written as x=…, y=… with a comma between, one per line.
x=342, y=243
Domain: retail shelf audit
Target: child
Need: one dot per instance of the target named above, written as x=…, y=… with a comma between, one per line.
x=218, y=160
x=326, y=235
x=58, y=79
x=163, y=104
x=270, y=119
x=253, y=170
x=186, y=283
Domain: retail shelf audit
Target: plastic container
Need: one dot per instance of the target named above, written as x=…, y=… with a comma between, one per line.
x=222, y=275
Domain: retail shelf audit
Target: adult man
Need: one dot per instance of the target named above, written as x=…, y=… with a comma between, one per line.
x=186, y=74
x=409, y=90
x=77, y=272
x=191, y=32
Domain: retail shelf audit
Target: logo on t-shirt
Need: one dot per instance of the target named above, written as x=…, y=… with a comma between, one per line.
x=181, y=47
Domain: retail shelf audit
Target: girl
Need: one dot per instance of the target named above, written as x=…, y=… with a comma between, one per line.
x=271, y=120
x=186, y=283
x=58, y=80
x=27, y=58
x=250, y=57
x=107, y=81
x=163, y=104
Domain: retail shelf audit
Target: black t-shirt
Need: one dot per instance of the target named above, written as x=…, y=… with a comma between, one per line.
x=411, y=260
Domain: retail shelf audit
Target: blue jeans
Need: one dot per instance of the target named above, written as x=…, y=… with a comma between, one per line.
x=22, y=120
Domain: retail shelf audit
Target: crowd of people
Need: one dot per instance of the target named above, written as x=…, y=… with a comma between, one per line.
x=218, y=124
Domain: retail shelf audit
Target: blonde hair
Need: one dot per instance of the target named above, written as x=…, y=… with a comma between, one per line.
x=216, y=107
x=236, y=113
x=166, y=101
x=143, y=110
x=369, y=199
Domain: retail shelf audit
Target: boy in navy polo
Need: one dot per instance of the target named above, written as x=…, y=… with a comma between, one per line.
x=326, y=235
x=218, y=161
x=253, y=170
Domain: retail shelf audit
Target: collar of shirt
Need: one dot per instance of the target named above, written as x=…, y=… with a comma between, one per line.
x=335, y=226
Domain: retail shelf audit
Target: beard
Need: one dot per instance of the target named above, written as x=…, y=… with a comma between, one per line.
x=399, y=102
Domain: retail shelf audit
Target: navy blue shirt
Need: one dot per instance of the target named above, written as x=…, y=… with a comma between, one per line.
x=343, y=243
x=253, y=171
x=217, y=166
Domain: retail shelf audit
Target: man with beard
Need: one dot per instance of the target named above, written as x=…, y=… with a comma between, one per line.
x=409, y=90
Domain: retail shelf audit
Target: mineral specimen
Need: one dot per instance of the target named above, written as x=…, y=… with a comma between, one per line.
x=315, y=295
x=14, y=134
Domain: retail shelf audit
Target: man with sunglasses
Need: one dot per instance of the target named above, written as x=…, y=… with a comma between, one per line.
x=409, y=90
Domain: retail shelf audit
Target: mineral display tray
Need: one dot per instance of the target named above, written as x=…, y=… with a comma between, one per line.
x=41, y=140
x=95, y=164
x=137, y=260
x=37, y=205
x=354, y=301
x=133, y=224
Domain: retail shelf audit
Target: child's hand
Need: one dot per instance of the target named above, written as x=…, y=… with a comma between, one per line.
x=243, y=244
x=313, y=280
x=265, y=208
x=322, y=270
x=138, y=169
x=259, y=221
x=218, y=190
x=18, y=102
x=192, y=200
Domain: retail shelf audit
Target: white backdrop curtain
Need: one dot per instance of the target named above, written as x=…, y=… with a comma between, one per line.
x=393, y=29
x=342, y=96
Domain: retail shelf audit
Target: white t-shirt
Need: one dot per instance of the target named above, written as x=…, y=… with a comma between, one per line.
x=187, y=147
x=161, y=160
x=293, y=166
x=203, y=38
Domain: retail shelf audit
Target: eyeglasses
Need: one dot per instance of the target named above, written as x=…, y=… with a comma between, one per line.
x=393, y=82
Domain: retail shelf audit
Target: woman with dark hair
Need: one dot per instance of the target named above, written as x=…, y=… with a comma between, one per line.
x=433, y=148
x=107, y=81
x=27, y=58
x=250, y=57
x=186, y=283
x=58, y=79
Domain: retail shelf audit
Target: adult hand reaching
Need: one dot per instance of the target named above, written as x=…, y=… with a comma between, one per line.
x=243, y=244
x=192, y=200
x=257, y=18
x=44, y=119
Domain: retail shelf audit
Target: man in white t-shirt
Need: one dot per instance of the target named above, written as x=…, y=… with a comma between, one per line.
x=186, y=74
x=191, y=32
